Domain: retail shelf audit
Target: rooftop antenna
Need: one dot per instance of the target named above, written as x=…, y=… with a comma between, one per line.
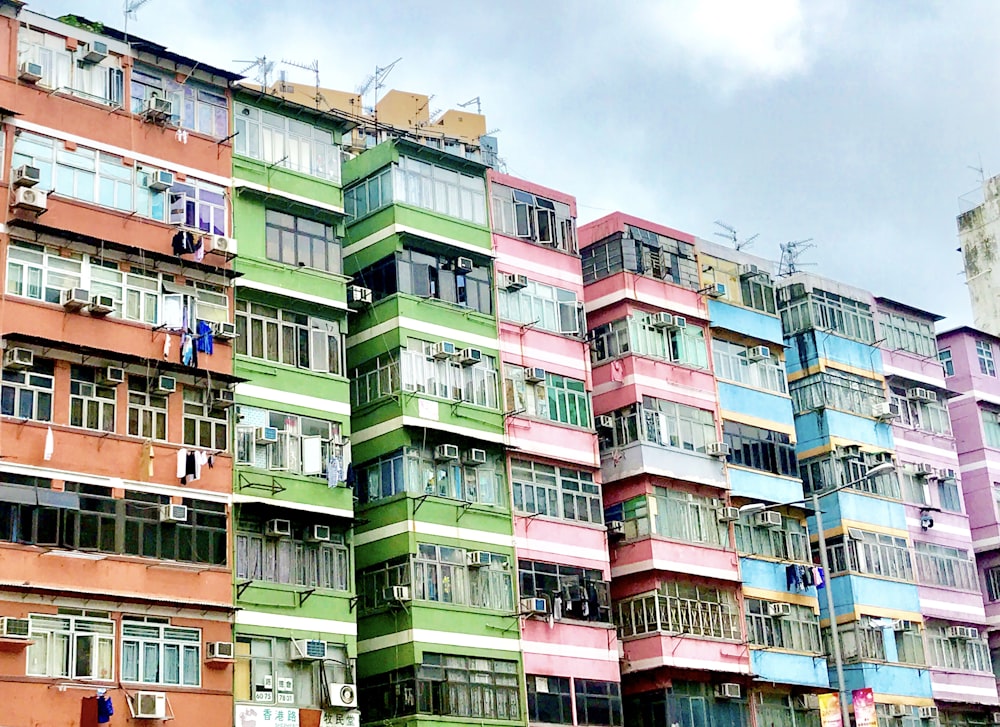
x=467, y=104
x=376, y=80
x=314, y=67
x=128, y=8
x=790, y=253
x=730, y=234
x=980, y=169
x=262, y=68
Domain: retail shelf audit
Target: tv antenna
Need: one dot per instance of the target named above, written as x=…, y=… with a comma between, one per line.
x=262, y=69
x=467, y=104
x=129, y=9
x=790, y=253
x=980, y=169
x=314, y=67
x=376, y=80
x=730, y=234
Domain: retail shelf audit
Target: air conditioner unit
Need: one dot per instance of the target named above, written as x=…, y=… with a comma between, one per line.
x=729, y=514
x=96, y=52
x=478, y=558
x=223, y=398
x=534, y=606
x=662, y=320
x=717, y=449
x=605, y=421
x=221, y=650
x=779, y=610
x=728, y=690
x=30, y=72
x=157, y=109
x=308, y=649
x=534, y=374
x=165, y=385
x=18, y=359
x=265, y=435
x=444, y=452
x=278, y=528
x=358, y=295
x=899, y=710
x=900, y=625
x=806, y=702
x=918, y=393
x=112, y=376
x=26, y=176
x=963, y=632
x=224, y=245
x=616, y=528
x=680, y=322
x=768, y=519
x=927, y=712
x=74, y=299
x=470, y=356
x=922, y=469
x=443, y=349
x=14, y=628
x=101, y=305
x=716, y=290
x=396, y=594
x=343, y=695
x=882, y=411
x=947, y=474
x=224, y=331
x=514, y=281
x=474, y=456
x=759, y=353
x=33, y=200
x=149, y=705
x=173, y=513
x=463, y=265
x=160, y=180
x=748, y=271
x=318, y=534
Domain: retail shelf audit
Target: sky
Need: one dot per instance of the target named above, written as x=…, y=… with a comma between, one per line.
x=856, y=125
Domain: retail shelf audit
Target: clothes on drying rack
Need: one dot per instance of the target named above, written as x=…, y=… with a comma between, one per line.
x=203, y=339
x=189, y=464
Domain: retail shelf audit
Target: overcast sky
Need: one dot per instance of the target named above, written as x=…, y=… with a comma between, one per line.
x=851, y=123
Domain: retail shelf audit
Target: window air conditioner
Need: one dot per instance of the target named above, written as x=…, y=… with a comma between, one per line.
x=759, y=353
x=445, y=452
x=779, y=610
x=165, y=385
x=33, y=200
x=882, y=411
x=160, y=181
x=265, y=435
x=748, y=271
x=343, y=695
x=918, y=393
x=729, y=514
x=26, y=176
x=474, y=456
x=963, y=632
x=470, y=356
x=278, y=528
x=14, y=628
x=806, y=702
x=221, y=650
x=717, y=449
x=158, y=110
x=223, y=398
x=224, y=331
x=927, y=712
x=150, y=705
x=616, y=528
x=534, y=606
x=534, y=374
x=74, y=299
x=680, y=322
x=663, y=320
x=478, y=558
x=605, y=421
x=30, y=72
x=18, y=359
x=101, y=305
x=173, y=513
x=318, y=534
x=728, y=691
x=112, y=376
x=898, y=710
x=95, y=52
x=717, y=290
x=463, y=265
x=922, y=469
x=358, y=295
x=308, y=649
x=514, y=281
x=442, y=350
x=768, y=519
x=396, y=594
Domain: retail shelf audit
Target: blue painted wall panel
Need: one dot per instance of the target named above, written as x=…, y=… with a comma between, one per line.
x=807, y=349
x=744, y=321
x=754, y=402
x=763, y=486
x=813, y=429
x=848, y=505
x=888, y=679
x=775, y=666
x=769, y=575
x=850, y=591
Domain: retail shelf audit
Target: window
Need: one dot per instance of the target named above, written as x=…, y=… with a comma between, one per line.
x=680, y=608
x=940, y=565
x=295, y=560
x=758, y=292
x=27, y=394
x=644, y=253
x=440, y=190
x=836, y=390
x=531, y=217
x=779, y=710
x=65, y=70
x=558, y=492
x=30, y=511
x=949, y=497
x=984, y=352
x=199, y=206
x=281, y=336
x=572, y=592
x=797, y=631
x=91, y=405
x=569, y=402
x=664, y=423
x=863, y=640
x=542, y=306
x=196, y=106
x=908, y=334
x=993, y=583
x=849, y=318
x=944, y=356
x=154, y=653
x=820, y=473
x=760, y=449
x=733, y=363
x=549, y=699
x=991, y=428
x=457, y=686
x=266, y=673
x=71, y=647
x=205, y=425
x=418, y=472
x=369, y=195
x=303, y=242
x=640, y=335
x=305, y=446
x=289, y=143
x=921, y=415
x=428, y=275
x=693, y=704
x=41, y=273
x=147, y=410
x=672, y=514
x=874, y=554
x=598, y=703
x=790, y=542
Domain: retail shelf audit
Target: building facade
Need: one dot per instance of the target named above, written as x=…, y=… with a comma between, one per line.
x=978, y=229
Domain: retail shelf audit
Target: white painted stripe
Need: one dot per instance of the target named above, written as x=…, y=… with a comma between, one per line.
x=513, y=264
x=561, y=549
x=291, y=294
x=573, y=363
x=945, y=606
x=684, y=663
x=288, y=397
x=298, y=623
x=945, y=450
x=444, y=638
x=302, y=506
x=572, y=652
x=694, y=569
x=964, y=690
x=401, y=229
x=420, y=527
x=990, y=461
x=527, y=445
x=658, y=301
x=431, y=329
x=392, y=425
x=935, y=381
x=120, y=151
x=978, y=395
x=289, y=196
x=660, y=385
x=961, y=531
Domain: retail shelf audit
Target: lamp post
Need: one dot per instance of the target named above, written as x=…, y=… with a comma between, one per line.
x=838, y=660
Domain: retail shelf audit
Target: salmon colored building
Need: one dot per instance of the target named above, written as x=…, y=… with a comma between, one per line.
x=115, y=471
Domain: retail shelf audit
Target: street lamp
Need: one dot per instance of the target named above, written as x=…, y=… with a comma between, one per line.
x=824, y=562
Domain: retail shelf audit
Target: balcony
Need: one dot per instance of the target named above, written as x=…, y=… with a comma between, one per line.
x=642, y=458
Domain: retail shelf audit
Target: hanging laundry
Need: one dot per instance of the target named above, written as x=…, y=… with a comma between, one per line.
x=617, y=370
x=105, y=709
x=146, y=461
x=166, y=347
x=181, y=464
x=189, y=354
x=199, y=249
x=203, y=340
x=819, y=577
x=349, y=479
x=183, y=243
x=334, y=470
x=807, y=576
x=793, y=577
x=50, y=445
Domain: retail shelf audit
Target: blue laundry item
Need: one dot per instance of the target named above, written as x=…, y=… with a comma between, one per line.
x=104, y=709
x=203, y=341
x=189, y=355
